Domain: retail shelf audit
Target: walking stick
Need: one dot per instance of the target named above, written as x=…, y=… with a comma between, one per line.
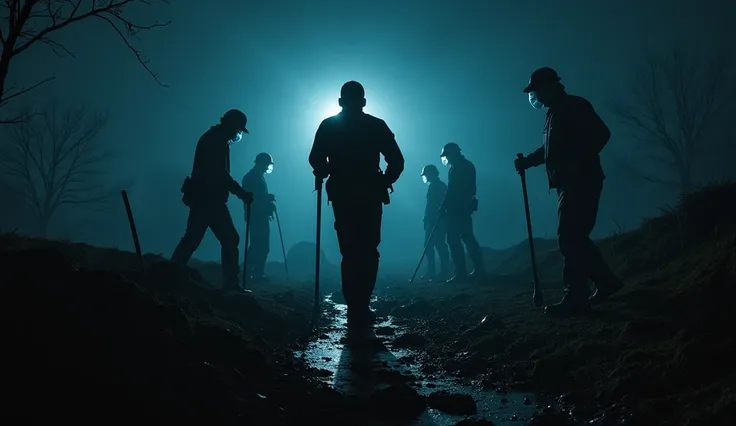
x=133, y=231
x=537, y=295
x=281, y=236
x=426, y=245
x=318, y=241
x=247, y=238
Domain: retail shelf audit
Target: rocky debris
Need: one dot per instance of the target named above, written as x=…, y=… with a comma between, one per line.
x=488, y=323
x=385, y=307
x=452, y=403
x=385, y=331
x=398, y=401
x=410, y=340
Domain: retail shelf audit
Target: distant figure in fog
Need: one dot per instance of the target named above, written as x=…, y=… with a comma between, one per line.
x=459, y=205
x=206, y=193
x=434, y=221
x=574, y=136
x=347, y=148
x=262, y=213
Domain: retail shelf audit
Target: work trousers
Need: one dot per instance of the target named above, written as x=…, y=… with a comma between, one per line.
x=438, y=244
x=259, y=245
x=358, y=227
x=216, y=217
x=459, y=231
x=577, y=211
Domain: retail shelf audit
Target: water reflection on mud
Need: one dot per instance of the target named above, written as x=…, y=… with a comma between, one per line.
x=362, y=371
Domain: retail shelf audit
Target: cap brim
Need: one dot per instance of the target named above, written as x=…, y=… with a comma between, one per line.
x=245, y=130
x=528, y=89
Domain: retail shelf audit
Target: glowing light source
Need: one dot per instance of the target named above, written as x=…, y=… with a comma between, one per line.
x=331, y=109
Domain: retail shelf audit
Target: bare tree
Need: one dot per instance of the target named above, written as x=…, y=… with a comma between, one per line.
x=54, y=159
x=675, y=104
x=25, y=23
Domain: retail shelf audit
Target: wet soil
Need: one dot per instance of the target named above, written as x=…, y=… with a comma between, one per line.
x=391, y=364
x=89, y=339
x=656, y=354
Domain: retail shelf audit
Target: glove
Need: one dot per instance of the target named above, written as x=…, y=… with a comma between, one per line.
x=521, y=164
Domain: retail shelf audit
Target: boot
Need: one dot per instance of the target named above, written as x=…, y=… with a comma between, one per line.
x=605, y=289
x=572, y=303
x=232, y=286
x=443, y=276
x=459, y=277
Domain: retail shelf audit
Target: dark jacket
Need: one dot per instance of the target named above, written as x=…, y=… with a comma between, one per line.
x=461, y=187
x=348, y=149
x=262, y=206
x=435, y=196
x=574, y=136
x=211, y=180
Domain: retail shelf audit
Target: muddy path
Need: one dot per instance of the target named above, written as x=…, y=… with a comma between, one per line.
x=394, y=374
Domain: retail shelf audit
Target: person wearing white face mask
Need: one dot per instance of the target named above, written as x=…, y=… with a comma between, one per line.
x=262, y=212
x=206, y=193
x=435, y=225
x=574, y=136
x=459, y=205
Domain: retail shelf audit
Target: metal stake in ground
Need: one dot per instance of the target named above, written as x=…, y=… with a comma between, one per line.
x=537, y=295
x=247, y=239
x=426, y=245
x=281, y=236
x=318, y=241
x=133, y=231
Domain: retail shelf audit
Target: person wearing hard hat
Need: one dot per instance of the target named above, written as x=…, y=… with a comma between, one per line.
x=347, y=148
x=574, y=136
x=206, y=193
x=435, y=225
x=261, y=213
x=459, y=205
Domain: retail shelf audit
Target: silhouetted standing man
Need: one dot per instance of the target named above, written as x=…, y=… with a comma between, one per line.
x=574, y=136
x=459, y=206
x=347, y=148
x=436, y=191
x=261, y=213
x=206, y=193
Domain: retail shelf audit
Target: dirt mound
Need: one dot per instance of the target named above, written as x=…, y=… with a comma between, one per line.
x=698, y=217
x=660, y=353
x=86, y=344
x=301, y=260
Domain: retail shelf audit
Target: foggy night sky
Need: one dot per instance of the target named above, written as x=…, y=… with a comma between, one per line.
x=436, y=72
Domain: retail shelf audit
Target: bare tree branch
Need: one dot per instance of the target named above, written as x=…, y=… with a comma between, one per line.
x=674, y=103
x=25, y=23
x=55, y=159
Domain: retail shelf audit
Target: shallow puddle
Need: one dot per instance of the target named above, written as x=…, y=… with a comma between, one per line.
x=362, y=372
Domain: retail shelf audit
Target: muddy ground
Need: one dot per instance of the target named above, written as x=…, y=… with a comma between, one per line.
x=88, y=338
x=661, y=352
